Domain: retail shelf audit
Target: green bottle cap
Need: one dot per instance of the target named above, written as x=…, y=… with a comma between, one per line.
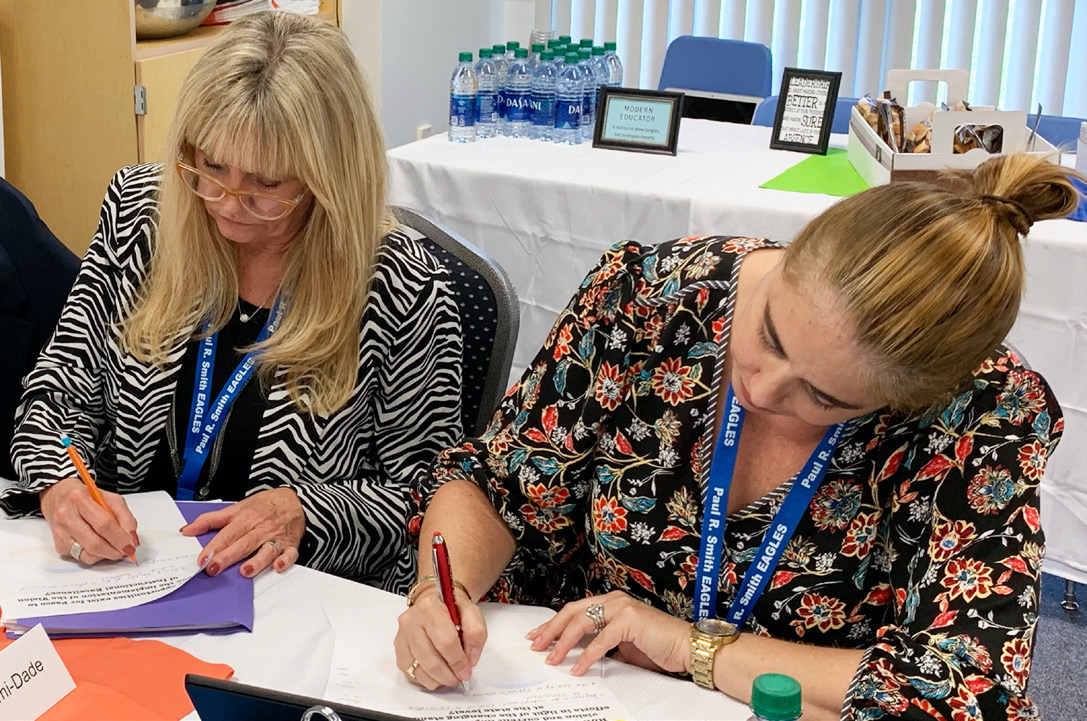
x=584, y=53
x=537, y=47
x=512, y=45
x=586, y=42
x=553, y=43
x=598, y=50
x=484, y=53
x=609, y=46
x=466, y=57
x=547, y=55
x=564, y=39
x=520, y=53
x=572, y=58
x=775, y=697
x=498, y=49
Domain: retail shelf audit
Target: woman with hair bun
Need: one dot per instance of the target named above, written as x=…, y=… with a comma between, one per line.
x=819, y=453
x=249, y=325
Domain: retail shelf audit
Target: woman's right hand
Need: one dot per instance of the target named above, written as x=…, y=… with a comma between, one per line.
x=428, y=650
x=74, y=517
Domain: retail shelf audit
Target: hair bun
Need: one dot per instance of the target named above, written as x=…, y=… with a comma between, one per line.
x=1016, y=213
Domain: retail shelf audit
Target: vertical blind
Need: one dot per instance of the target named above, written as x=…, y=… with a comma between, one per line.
x=1019, y=52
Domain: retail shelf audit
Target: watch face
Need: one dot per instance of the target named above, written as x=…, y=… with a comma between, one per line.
x=716, y=627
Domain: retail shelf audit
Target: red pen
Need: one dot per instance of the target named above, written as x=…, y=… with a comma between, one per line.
x=442, y=569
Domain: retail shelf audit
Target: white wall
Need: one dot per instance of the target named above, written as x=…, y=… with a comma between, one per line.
x=409, y=48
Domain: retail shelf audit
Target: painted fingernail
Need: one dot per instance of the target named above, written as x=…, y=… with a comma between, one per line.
x=213, y=569
x=279, y=565
x=247, y=570
x=135, y=538
x=129, y=550
x=202, y=561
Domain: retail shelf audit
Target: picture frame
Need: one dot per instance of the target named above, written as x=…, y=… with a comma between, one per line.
x=642, y=121
x=805, y=110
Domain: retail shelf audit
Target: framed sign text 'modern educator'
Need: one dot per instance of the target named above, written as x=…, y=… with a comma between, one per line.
x=805, y=110
x=645, y=121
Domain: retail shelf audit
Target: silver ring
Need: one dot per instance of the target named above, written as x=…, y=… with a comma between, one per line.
x=596, y=613
x=76, y=550
x=275, y=544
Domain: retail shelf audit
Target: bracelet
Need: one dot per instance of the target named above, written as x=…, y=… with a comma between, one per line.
x=414, y=590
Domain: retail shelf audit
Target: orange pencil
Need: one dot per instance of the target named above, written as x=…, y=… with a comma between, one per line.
x=87, y=480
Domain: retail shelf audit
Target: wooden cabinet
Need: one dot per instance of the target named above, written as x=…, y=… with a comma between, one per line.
x=73, y=72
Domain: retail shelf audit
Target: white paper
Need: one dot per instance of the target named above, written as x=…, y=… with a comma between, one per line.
x=39, y=582
x=510, y=683
x=32, y=677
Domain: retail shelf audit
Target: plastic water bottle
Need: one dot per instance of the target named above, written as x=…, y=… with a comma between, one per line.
x=615, y=65
x=534, y=56
x=463, y=88
x=501, y=66
x=591, y=83
x=560, y=56
x=543, y=97
x=511, y=50
x=599, y=66
x=519, y=97
x=569, y=95
x=775, y=697
x=487, y=98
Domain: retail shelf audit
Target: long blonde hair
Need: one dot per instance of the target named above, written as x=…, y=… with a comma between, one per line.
x=931, y=279
x=280, y=95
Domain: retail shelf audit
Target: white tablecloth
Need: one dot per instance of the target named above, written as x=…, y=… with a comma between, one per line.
x=292, y=642
x=545, y=212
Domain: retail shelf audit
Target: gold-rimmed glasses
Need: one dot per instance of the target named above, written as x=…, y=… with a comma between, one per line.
x=259, y=205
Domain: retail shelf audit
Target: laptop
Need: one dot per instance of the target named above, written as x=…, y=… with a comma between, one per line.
x=217, y=700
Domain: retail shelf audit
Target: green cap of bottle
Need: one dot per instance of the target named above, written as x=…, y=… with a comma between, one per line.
x=553, y=43
x=537, y=47
x=571, y=58
x=564, y=39
x=775, y=697
x=609, y=47
x=499, y=49
x=598, y=50
x=466, y=57
x=485, y=53
x=520, y=53
x=547, y=55
x=513, y=45
x=586, y=42
x=584, y=53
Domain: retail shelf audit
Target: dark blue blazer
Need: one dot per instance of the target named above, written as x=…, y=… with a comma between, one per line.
x=36, y=274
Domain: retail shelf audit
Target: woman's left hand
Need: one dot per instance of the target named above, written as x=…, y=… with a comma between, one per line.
x=644, y=635
x=252, y=525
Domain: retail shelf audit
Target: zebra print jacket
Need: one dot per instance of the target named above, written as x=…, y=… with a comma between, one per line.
x=351, y=469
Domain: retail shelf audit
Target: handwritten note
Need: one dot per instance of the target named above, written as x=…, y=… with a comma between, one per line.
x=510, y=682
x=40, y=582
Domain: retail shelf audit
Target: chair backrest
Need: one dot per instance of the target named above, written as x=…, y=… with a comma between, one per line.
x=489, y=316
x=764, y=114
x=1059, y=130
x=713, y=65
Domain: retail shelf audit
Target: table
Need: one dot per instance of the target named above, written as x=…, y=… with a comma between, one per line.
x=546, y=212
x=291, y=646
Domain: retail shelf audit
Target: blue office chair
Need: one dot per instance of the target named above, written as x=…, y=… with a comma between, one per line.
x=1062, y=132
x=489, y=317
x=764, y=114
x=714, y=65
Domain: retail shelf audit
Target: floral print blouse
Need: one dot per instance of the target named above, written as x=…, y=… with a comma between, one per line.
x=922, y=546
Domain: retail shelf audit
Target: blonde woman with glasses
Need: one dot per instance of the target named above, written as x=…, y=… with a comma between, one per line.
x=249, y=325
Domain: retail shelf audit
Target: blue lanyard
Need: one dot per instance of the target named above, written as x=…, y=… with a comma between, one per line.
x=777, y=536
x=200, y=435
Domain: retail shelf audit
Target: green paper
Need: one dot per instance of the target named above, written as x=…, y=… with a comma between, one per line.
x=830, y=174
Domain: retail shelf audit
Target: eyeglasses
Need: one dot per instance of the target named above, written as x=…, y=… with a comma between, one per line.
x=259, y=205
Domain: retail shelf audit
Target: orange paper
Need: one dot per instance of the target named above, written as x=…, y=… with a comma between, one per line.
x=120, y=679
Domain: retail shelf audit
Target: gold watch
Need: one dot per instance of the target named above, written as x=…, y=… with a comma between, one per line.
x=707, y=636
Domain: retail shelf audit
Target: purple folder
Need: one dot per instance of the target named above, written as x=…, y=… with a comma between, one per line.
x=205, y=604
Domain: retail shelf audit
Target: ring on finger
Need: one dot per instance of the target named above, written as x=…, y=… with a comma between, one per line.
x=275, y=544
x=596, y=613
x=76, y=550
x=411, y=670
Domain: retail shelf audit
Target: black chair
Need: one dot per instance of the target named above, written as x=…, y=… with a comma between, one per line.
x=489, y=316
